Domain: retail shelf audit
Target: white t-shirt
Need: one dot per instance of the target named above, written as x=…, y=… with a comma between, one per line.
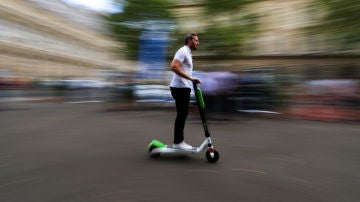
x=185, y=57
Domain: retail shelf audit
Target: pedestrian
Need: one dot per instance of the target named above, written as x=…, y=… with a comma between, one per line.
x=180, y=86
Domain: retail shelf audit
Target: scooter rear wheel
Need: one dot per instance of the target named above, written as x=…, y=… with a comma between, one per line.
x=153, y=155
x=214, y=158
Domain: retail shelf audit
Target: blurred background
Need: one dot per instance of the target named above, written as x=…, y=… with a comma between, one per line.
x=293, y=59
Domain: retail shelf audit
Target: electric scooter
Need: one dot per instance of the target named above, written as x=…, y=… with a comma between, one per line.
x=156, y=148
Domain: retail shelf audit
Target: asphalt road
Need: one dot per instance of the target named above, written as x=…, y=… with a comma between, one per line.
x=77, y=152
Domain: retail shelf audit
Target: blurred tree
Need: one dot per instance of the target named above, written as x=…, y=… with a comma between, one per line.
x=228, y=27
x=216, y=6
x=341, y=22
x=126, y=26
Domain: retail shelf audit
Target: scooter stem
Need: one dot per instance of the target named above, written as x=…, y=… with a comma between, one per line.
x=201, y=105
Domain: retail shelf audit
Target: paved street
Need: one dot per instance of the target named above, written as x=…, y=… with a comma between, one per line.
x=77, y=152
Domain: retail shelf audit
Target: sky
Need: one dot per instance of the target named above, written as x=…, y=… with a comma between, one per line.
x=98, y=5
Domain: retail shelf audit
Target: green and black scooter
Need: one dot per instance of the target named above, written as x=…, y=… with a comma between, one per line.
x=156, y=148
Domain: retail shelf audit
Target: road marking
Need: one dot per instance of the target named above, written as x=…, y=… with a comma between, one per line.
x=24, y=180
x=249, y=170
x=208, y=171
x=86, y=101
x=113, y=193
x=258, y=111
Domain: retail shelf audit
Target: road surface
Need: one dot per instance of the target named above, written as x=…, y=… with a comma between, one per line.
x=77, y=152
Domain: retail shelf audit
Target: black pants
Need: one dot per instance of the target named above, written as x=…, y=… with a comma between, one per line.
x=182, y=99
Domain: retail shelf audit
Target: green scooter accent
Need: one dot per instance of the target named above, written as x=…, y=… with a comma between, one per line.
x=157, y=143
x=201, y=99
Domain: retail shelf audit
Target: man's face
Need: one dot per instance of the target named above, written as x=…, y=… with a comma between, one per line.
x=194, y=43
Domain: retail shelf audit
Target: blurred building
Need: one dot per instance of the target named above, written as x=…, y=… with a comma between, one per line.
x=284, y=29
x=283, y=37
x=49, y=39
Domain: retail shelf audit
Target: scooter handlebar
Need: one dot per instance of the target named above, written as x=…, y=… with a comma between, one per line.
x=195, y=83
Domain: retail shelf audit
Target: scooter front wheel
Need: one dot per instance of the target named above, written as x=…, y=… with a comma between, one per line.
x=212, y=159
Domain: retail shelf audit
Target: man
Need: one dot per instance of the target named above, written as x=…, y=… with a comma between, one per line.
x=180, y=86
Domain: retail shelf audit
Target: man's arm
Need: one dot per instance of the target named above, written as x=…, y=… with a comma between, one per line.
x=176, y=67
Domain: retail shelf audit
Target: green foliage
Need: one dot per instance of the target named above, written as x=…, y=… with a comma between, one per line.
x=216, y=6
x=140, y=10
x=126, y=26
x=224, y=38
x=341, y=22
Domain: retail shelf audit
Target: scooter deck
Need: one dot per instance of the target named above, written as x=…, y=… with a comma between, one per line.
x=171, y=149
x=194, y=149
x=159, y=147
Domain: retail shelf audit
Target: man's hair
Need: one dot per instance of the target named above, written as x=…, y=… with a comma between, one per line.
x=189, y=36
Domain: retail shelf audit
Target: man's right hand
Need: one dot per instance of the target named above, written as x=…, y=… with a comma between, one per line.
x=195, y=80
